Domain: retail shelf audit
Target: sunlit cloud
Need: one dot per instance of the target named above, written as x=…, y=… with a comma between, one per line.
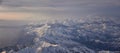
x=14, y=16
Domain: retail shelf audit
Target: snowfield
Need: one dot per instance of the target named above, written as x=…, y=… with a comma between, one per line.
x=81, y=35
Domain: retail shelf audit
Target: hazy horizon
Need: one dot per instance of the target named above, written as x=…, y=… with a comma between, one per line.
x=40, y=9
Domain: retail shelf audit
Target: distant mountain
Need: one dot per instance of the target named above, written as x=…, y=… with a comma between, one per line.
x=90, y=35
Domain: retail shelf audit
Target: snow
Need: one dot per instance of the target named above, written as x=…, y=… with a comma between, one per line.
x=71, y=36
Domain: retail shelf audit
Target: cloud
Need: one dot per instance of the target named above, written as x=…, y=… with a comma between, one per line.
x=14, y=16
x=61, y=7
x=59, y=3
x=0, y=1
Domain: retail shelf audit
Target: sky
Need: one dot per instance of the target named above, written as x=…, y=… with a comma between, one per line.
x=37, y=9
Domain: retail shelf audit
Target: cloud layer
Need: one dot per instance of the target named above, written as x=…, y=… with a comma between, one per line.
x=59, y=3
x=62, y=7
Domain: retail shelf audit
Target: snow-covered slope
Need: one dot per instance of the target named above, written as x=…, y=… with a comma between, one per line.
x=84, y=35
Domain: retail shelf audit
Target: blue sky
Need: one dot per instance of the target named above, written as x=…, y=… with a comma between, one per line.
x=60, y=8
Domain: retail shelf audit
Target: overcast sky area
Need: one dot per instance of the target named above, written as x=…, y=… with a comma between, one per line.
x=25, y=9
